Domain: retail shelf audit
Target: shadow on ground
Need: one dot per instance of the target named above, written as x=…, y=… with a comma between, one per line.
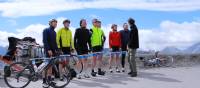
x=122, y=79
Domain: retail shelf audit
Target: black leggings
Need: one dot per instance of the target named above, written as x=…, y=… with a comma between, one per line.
x=123, y=60
x=123, y=57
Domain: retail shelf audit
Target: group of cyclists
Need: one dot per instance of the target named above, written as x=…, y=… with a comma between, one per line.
x=92, y=40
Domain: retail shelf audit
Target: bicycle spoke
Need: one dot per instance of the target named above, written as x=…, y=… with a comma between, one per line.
x=64, y=76
x=19, y=76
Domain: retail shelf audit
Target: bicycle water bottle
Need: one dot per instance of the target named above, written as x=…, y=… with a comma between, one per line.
x=35, y=68
x=42, y=65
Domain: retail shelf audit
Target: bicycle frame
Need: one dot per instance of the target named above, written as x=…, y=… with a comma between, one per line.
x=32, y=70
x=41, y=67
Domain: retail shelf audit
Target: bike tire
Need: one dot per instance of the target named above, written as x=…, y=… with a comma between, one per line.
x=18, y=68
x=76, y=64
x=67, y=75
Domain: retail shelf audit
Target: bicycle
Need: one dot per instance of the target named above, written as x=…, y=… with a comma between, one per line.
x=160, y=62
x=22, y=74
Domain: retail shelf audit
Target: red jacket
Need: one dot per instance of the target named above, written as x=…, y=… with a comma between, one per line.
x=114, y=39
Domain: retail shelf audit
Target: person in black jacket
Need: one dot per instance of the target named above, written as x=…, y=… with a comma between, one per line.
x=124, y=42
x=82, y=45
x=133, y=45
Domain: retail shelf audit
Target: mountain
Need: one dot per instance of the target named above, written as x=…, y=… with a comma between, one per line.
x=171, y=50
x=194, y=49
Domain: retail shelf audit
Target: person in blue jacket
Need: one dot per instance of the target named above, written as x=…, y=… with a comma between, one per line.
x=50, y=46
x=124, y=42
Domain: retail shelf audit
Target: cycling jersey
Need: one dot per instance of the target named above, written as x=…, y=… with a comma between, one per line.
x=114, y=39
x=64, y=38
x=97, y=37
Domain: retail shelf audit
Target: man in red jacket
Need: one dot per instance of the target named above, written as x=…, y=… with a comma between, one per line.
x=115, y=44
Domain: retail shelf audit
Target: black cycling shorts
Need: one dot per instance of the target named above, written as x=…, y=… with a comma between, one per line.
x=66, y=50
x=115, y=49
x=82, y=52
x=97, y=49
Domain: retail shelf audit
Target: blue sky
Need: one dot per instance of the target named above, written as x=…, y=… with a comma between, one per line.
x=145, y=19
x=162, y=23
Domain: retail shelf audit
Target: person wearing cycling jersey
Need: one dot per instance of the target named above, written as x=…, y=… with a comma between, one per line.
x=82, y=45
x=65, y=43
x=50, y=46
x=114, y=44
x=124, y=42
x=64, y=38
x=97, y=42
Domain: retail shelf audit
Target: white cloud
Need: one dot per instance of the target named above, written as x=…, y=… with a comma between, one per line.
x=34, y=30
x=17, y=8
x=179, y=35
x=95, y=16
x=3, y=37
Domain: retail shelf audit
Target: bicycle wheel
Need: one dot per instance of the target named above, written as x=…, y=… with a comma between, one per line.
x=168, y=61
x=64, y=76
x=17, y=75
x=76, y=64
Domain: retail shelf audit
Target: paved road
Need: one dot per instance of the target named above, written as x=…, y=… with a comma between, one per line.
x=181, y=77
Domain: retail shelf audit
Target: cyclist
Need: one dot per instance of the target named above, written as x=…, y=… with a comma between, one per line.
x=64, y=42
x=50, y=46
x=97, y=42
x=124, y=42
x=115, y=44
x=82, y=45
